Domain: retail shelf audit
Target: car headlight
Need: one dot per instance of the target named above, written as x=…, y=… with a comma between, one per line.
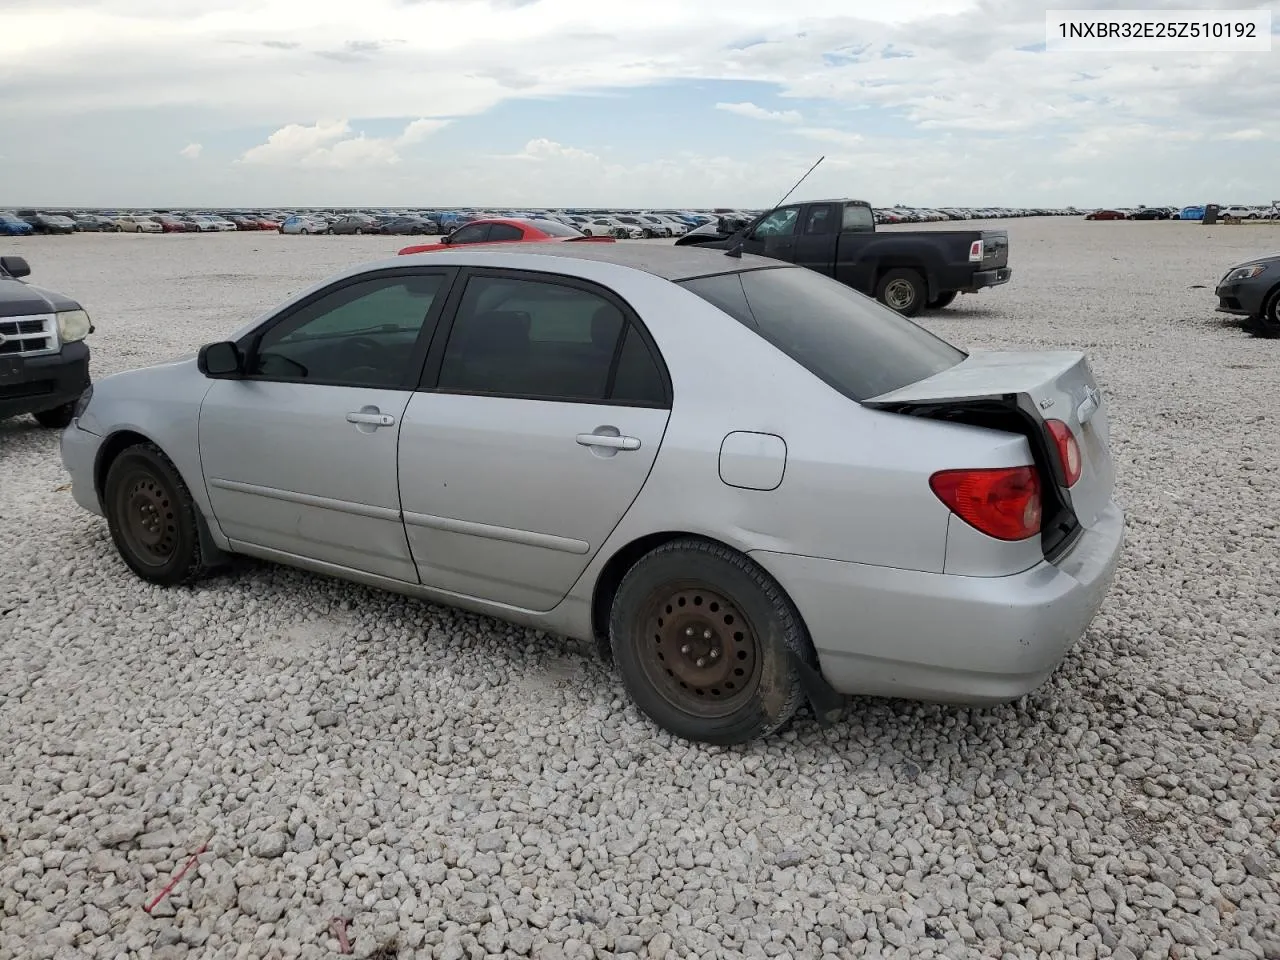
x=83, y=403
x=1244, y=273
x=73, y=325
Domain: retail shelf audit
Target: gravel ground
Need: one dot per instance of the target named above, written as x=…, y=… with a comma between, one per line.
x=467, y=789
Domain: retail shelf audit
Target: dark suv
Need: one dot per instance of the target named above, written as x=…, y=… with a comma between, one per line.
x=44, y=361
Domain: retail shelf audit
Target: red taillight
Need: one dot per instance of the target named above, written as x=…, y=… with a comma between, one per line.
x=1003, y=502
x=1068, y=449
x=975, y=252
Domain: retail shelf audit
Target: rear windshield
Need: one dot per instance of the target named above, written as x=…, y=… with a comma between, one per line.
x=846, y=339
x=554, y=228
x=857, y=218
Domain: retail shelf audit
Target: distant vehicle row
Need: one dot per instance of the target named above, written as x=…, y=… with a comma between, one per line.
x=620, y=224
x=1193, y=212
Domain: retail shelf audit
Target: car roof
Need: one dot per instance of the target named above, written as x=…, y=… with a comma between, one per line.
x=662, y=260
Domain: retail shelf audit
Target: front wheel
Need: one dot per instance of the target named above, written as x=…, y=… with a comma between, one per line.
x=903, y=290
x=359, y=231
x=152, y=517
x=1268, y=323
x=942, y=301
x=703, y=639
x=57, y=418
x=304, y=231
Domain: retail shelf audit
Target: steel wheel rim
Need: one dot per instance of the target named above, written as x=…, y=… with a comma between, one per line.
x=900, y=294
x=698, y=650
x=148, y=519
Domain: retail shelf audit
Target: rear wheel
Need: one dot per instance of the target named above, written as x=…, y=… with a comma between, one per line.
x=703, y=639
x=304, y=231
x=359, y=231
x=942, y=301
x=152, y=518
x=902, y=289
x=58, y=417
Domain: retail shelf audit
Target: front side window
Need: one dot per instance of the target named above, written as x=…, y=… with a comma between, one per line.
x=851, y=342
x=543, y=340
x=360, y=335
x=780, y=223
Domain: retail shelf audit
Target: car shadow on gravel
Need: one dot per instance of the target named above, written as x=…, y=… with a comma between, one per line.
x=567, y=677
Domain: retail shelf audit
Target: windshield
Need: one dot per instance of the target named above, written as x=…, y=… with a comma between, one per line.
x=849, y=341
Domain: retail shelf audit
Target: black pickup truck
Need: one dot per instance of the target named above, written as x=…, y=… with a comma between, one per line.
x=905, y=270
x=44, y=361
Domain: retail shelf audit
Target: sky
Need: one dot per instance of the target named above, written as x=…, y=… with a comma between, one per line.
x=660, y=103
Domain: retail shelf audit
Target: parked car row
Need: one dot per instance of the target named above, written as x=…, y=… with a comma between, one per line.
x=1194, y=212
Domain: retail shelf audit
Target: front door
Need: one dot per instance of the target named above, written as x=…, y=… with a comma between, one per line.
x=537, y=426
x=299, y=455
x=775, y=235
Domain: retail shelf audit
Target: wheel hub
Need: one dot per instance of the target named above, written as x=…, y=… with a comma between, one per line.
x=702, y=650
x=900, y=294
x=149, y=519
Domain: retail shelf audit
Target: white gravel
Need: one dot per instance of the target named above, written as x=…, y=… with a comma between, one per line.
x=472, y=790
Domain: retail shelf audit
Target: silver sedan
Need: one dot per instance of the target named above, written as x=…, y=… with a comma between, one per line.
x=752, y=486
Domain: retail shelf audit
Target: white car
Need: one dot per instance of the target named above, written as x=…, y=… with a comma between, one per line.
x=218, y=224
x=611, y=227
x=304, y=225
x=1241, y=212
x=135, y=223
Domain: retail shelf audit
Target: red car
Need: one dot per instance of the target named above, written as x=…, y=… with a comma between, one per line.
x=1105, y=215
x=506, y=230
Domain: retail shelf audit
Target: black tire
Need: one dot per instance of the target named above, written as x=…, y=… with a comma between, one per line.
x=1267, y=325
x=58, y=418
x=304, y=231
x=942, y=301
x=359, y=231
x=902, y=289
x=734, y=685
x=152, y=518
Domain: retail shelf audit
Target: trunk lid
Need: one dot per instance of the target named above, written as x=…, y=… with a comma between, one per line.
x=995, y=249
x=1021, y=391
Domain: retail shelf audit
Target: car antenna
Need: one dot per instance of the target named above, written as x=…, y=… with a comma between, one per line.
x=736, y=250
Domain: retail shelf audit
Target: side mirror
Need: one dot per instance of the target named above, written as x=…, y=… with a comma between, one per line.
x=220, y=360
x=15, y=267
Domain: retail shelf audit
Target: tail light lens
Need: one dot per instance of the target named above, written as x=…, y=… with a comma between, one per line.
x=1003, y=502
x=1068, y=449
x=975, y=252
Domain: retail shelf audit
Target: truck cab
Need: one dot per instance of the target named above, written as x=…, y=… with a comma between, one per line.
x=907, y=270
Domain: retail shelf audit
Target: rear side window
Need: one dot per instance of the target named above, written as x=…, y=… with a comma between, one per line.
x=857, y=218
x=854, y=344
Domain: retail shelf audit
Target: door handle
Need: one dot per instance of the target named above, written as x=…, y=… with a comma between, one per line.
x=604, y=440
x=373, y=419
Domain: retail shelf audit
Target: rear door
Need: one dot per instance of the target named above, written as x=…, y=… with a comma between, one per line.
x=815, y=244
x=541, y=411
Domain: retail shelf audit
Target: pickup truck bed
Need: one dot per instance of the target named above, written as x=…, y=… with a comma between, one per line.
x=906, y=270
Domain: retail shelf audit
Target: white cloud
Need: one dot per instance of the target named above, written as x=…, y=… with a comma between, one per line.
x=191, y=151
x=327, y=144
x=748, y=109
